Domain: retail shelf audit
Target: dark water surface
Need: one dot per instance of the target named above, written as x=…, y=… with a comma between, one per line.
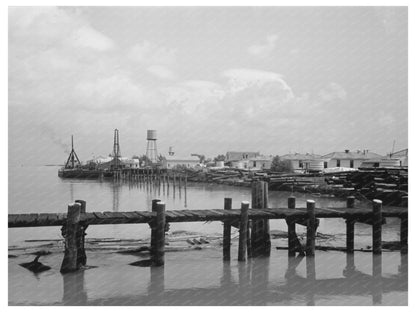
x=193, y=277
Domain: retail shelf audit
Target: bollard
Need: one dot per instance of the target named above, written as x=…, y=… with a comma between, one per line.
x=159, y=256
x=226, y=245
x=350, y=226
x=291, y=228
x=69, y=263
x=242, y=243
x=310, y=232
x=377, y=222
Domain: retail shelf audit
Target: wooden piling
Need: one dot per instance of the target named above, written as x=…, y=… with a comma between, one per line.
x=291, y=228
x=81, y=255
x=350, y=226
x=153, y=229
x=242, y=243
x=260, y=233
x=403, y=235
x=377, y=224
x=159, y=241
x=226, y=244
x=310, y=232
x=69, y=263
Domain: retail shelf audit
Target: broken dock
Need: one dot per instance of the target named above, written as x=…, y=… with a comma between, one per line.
x=253, y=224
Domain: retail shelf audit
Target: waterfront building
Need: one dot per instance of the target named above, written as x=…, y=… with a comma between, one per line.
x=176, y=161
x=260, y=162
x=302, y=162
x=349, y=159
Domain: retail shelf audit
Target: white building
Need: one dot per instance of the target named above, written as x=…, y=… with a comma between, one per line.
x=260, y=162
x=302, y=162
x=349, y=159
x=177, y=161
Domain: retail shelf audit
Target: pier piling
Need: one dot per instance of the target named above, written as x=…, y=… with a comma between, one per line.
x=81, y=255
x=159, y=242
x=242, y=243
x=291, y=228
x=377, y=225
x=260, y=233
x=310, y=232
x=226, y=246
x=153, y=229
x=69, y=263
x=403, y=234
x=350, y=226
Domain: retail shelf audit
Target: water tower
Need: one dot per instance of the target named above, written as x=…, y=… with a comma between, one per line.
x=151, y=151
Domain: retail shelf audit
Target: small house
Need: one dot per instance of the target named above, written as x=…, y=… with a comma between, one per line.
x=177, y=161
x=302, y=162
x=349, y=159
x=260, y=163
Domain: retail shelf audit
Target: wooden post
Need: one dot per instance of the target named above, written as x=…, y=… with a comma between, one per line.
x=310, y=232
x=260, y=234
x=350, y=226
x=81, y=256
x=159, y=256
x=377, y=222
x=153, y=229
x=403, y=234
x=242, y=243
x=226, y=244
x=69, y=263
x=291, y=228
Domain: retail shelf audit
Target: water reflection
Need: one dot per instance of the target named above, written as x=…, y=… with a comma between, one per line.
x=74, y=289
x=248, y=283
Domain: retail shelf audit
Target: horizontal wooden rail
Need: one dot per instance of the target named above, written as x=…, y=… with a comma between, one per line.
x=58, y=219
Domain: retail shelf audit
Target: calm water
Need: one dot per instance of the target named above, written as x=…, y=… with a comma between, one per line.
x=193, y=277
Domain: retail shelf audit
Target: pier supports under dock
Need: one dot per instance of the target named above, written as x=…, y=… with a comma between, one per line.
x=310, y=231
x=260, y=230
x=377, y=224
x=242, y=244
x=71, y=232
x=350, y=226
x=226, y=243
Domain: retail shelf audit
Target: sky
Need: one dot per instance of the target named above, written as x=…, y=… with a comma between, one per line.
x=274, y=80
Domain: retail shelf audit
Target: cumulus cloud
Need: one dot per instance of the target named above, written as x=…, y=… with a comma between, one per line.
x=243, y=78
x=265, y=49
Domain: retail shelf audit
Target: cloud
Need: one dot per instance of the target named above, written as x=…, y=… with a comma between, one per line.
x=264, y=50
x=193, y=96
x=152, y=54
x=117, y=91
x=87, y=37
x=243, y=78
x=161, y=72
x=332, y=92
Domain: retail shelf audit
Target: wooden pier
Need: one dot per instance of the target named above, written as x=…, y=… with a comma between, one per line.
x=253, y=225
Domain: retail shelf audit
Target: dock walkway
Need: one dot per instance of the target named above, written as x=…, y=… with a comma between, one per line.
x=108, y=217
